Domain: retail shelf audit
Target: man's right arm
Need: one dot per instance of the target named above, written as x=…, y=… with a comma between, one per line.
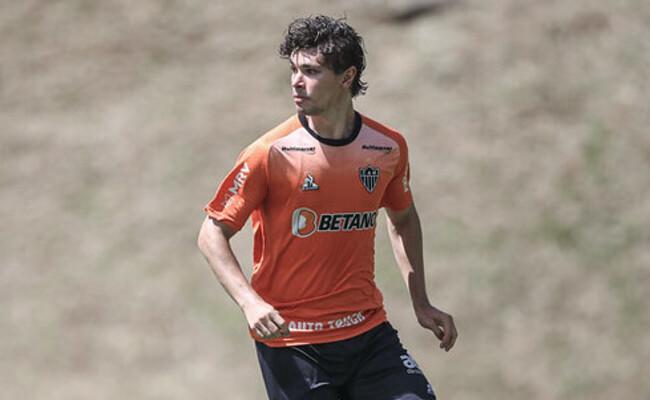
x=214, y=243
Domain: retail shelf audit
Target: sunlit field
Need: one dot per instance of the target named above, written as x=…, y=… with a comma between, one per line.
x=530, y=155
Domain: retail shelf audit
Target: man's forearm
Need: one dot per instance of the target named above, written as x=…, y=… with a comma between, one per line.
x=406, y=239
x=261, y=317
x=216, y=249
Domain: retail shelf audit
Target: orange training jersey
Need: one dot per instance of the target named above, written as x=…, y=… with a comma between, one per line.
x=313, y=203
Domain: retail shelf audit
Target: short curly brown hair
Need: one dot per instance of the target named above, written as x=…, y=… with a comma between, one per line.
x=339, y=44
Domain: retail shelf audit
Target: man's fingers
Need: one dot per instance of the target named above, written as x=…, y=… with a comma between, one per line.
x=450, y=334
x=444, y=343
x=454, y=335
x=261, y=330
x=267, y=328
x=271, y=326
x=436, y=330
x=283, y=328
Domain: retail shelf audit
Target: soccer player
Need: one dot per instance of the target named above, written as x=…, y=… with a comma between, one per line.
x=312, y=187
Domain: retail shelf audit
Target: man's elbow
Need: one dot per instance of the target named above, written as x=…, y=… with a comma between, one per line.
x=212, y=233
x=202, y=241
x=208, y=235
x=403, y=218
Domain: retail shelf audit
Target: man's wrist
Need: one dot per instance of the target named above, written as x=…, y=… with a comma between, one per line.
x=249, y=301
x=421, y=304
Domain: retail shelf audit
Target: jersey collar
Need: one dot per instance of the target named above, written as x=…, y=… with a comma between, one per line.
x=333, y=142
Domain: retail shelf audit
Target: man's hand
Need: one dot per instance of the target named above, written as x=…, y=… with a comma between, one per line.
x=441, y=323
x=265, y=321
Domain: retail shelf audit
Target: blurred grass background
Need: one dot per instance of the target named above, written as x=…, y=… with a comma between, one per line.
x=528, y=129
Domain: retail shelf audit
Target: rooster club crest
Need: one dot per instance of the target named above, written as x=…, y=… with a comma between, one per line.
x=369, y=177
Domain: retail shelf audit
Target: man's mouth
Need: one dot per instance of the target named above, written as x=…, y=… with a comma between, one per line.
x=299, y=99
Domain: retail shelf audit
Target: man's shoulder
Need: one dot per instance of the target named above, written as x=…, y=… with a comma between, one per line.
x=384, y=129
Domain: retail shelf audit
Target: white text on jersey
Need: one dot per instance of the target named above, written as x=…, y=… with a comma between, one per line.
x=237, y=183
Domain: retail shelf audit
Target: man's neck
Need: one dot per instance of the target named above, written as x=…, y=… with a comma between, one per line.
x=335, y=124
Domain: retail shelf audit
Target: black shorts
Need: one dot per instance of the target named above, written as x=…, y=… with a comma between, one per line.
x=373, y=365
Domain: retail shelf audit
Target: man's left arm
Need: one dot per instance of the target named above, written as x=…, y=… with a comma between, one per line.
x=405, y=235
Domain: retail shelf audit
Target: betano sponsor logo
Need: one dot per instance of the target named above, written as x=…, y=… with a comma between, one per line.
x=305, y=221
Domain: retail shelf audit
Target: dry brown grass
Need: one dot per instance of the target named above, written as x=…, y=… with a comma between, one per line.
x=528, y=124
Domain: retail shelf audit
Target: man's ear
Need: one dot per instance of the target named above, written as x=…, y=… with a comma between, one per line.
x=348, y=77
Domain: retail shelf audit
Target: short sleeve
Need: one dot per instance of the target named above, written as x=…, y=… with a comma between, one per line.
x=242, y=190
x=398, y=193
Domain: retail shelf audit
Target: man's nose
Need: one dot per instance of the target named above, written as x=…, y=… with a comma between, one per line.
x=297, y=79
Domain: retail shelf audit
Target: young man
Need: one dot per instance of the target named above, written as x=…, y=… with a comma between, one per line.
x=313, y=186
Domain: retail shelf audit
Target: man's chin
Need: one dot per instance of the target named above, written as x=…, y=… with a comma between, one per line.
x=306, y=111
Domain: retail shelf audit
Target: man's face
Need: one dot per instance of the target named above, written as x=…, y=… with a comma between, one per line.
x=315, y=87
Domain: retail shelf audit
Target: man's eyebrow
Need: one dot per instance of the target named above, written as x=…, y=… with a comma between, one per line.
x=306, y=65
